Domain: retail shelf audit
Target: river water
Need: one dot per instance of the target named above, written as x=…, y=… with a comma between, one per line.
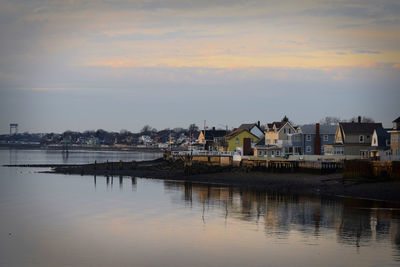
x=71, y=220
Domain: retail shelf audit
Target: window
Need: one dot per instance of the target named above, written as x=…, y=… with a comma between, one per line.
x=277, y=153
x=374, y=141
x=267, y=141
x=237, y=140
x=308, y=137
x=308, y=148
x=260, y=153
x=326, y=137
x=252, y=140
x=322, y=149
x=275, y=141
x=387, y=142
x=361, y=138
x=272, y=152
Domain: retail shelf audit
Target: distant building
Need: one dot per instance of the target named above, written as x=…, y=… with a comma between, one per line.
x=351, y=138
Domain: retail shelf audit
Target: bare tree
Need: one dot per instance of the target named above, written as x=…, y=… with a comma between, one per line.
x=193, y=127
x=330, y=120
x=363, y=119
x=146, y=129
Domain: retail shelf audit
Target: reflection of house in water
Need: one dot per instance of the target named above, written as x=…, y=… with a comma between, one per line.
x=363, y=223
x=354, y=221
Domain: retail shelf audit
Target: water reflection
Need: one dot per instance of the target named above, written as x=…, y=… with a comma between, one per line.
x=356, y=222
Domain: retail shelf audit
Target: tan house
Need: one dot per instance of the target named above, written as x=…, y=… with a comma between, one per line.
x=277, y=132
x=278, y=140
x=352, y=138
x=395, y=138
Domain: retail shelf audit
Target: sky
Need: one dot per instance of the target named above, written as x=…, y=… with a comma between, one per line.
x=87, y=65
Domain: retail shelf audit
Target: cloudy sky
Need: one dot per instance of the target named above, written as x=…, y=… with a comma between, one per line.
x=78, y=65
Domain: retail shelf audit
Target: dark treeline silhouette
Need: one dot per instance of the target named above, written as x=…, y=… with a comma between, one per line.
x=103, y=137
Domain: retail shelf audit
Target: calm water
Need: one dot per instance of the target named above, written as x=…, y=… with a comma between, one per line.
x=60, y=220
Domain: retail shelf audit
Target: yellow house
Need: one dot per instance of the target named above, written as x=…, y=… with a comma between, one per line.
x=235, y=140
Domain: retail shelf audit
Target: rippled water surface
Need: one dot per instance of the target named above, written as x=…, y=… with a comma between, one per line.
x=70, y=220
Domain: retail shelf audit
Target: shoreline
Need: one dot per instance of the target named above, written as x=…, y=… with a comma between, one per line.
x=284, y=182
x=78, y=148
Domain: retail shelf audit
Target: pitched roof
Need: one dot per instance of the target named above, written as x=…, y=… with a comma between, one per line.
x=236, y=132
x=383, y=135
x=247, y=126
x=278, y=124
x=397, y=120
x=359, y=128
x=211, y=134
x=261, y=142
x=323, y=129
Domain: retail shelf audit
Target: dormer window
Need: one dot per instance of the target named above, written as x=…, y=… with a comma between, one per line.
x=308, y=137
x=325, y=137
x=361, y=138
x=237, y=140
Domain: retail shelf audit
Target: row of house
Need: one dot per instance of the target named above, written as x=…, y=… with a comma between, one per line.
x=282, y=139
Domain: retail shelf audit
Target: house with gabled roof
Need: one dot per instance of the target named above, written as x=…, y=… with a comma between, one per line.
x=282, y=136
x=241, y=141
x=253, y=128
x=380, y=145
x=276, y=131
x=315, y=137
x=351, y=138
x=209, y=138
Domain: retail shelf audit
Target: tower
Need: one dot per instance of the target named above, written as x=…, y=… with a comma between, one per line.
x=13, y=128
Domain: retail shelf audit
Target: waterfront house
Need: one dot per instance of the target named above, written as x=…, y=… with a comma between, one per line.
x=267, y=151
x=211, y=139
x=380, y=145
x=352, y=137
x=241, y=141
x=315, y=137
x=276, y=131
x=253, y=128
x=284, y=136
x=395, y=138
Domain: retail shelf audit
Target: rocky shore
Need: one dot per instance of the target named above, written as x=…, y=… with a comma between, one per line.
x=296, y=183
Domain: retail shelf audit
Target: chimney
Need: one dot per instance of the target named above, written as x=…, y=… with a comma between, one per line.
x=258, y=123
x=213, y=128
x=359, y=119
x=317, y=140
